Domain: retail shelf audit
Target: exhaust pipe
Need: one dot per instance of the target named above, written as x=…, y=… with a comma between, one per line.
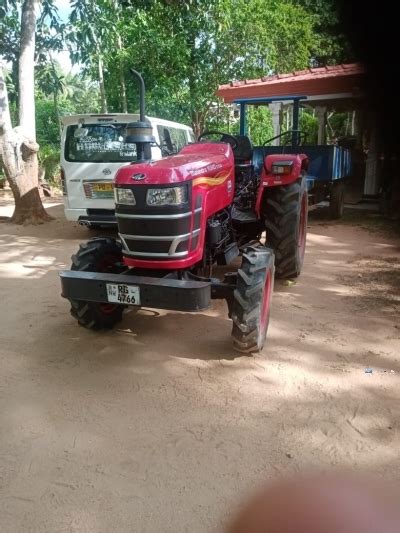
x=141, y=131
x=142, y=92
x=85, y=223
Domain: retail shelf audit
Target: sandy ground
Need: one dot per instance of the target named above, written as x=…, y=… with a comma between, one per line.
x=159, y=426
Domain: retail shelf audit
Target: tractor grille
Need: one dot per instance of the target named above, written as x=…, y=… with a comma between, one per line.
x=157, y=233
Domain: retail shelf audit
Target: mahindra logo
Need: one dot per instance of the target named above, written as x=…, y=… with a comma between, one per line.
x=106, y=171
x=138, y=177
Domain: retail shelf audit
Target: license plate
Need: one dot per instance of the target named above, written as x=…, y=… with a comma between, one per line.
x=123, y=294
x=102, y=187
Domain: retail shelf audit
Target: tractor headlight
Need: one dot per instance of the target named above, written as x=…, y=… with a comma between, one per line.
x=167, y=196
x=124, y=196
x=282, y=167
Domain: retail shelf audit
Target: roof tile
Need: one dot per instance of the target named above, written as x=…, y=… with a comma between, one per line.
x=279, y=82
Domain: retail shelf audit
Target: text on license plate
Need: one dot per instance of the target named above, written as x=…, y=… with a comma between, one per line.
x=123, y=294
x=102, y=187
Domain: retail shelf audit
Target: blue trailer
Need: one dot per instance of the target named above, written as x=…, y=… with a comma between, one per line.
x=329, y=165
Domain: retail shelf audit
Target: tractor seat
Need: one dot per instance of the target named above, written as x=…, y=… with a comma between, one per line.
x=243, y=152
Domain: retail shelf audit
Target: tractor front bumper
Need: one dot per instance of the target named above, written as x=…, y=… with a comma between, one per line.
x=159, y=293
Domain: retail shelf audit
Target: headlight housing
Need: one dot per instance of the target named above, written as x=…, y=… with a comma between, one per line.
x=282, y=167
x=124, y=196
x=167, y=196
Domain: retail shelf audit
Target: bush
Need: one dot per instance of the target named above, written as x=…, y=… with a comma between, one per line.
x=259, y=124
x=49, y=159
x=47, y=124
x=309, y=124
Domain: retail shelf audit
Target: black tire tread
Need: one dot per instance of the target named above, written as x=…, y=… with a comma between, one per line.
x=281, y=212
x=256, y=261
x=86, y=260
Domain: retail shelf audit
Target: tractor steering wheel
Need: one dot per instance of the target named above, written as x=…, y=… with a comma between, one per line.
x=225, y=137
x=301, y=135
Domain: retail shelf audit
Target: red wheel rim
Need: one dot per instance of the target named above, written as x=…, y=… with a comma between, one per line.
x=302, y=227
x=107, y=264
x=265, y=304
x=107, y=309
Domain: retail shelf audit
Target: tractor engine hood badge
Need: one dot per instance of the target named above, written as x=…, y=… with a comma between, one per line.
x=138, y=177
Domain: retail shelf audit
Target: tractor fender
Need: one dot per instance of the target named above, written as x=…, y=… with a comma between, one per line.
x=269, y=179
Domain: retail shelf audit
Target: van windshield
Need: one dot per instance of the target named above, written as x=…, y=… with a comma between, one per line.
x=98, y=143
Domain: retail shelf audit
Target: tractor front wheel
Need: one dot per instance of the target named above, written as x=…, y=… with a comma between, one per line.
x=286, y=215
x=97, y=255
x=252, y=299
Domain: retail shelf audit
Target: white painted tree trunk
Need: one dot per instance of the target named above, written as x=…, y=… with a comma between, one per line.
x=18, y=147
x=26, y=74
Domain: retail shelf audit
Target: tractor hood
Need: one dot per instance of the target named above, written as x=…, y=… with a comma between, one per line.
x=193, y=161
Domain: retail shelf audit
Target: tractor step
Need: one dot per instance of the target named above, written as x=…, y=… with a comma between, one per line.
x=159, y=293
x=243, y=216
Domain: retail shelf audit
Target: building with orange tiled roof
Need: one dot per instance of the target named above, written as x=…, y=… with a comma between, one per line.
x=330, y=88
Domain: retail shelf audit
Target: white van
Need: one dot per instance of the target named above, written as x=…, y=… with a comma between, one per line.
x=93, y=149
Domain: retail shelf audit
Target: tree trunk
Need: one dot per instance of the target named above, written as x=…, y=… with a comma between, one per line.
x=101, y=85
x=55, y=96
x=100, y=70
x=124, y=100
x=57, y=111
x=196, y=124
x=123, y=89
x=18, y=158
x=26, y=70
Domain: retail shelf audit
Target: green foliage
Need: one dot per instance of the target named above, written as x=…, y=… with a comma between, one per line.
x=49, y=36
x=309, y=124
x=331, y=45
x=49, y=159
x=48, y=137
x=50, y=79
x=47, y=125
x=338, y=125
x=79, y=96
x=9, y=29
x=183, y=48
x=259, y=124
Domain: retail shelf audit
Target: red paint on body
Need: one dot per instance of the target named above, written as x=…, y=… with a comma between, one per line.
x=268, y=179
x=193, y=161
x=210, y=167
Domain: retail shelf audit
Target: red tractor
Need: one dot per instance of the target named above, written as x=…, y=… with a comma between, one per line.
x=180, y=216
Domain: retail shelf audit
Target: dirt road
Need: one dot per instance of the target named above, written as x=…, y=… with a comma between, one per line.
x=159, y=426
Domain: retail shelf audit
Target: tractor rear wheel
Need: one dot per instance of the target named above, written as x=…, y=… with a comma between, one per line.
x=286, y=215
x=252, y=299
x=97, y=255
x=336, y=201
